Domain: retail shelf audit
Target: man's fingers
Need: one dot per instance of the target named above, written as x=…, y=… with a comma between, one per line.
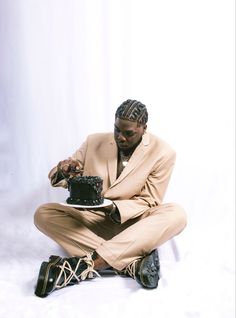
x=66, y=168
x=69, y=167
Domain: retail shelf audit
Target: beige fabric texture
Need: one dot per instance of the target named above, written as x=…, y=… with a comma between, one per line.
x=138, y=193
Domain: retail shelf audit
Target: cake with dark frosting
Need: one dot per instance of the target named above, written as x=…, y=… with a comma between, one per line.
x=85, y=190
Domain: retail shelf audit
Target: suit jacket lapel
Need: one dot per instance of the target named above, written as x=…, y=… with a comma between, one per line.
x=112, y=161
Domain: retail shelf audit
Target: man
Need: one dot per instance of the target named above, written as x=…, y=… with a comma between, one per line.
x=135, y=167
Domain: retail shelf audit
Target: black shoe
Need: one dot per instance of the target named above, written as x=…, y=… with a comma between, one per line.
x=146, y=271
x=47, y=277
x=61, y=272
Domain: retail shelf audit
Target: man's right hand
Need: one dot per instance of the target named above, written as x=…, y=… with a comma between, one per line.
x=69, y=168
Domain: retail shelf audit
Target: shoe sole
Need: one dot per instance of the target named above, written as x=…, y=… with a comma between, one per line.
x=42, y=282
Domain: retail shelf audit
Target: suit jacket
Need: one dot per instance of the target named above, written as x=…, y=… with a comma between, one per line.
x=142, y=183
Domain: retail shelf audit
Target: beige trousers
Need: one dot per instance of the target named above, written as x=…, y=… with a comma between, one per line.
x=80, y=232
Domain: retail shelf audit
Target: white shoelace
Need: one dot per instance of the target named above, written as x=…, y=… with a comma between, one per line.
x=68, y=273
x=131, y=269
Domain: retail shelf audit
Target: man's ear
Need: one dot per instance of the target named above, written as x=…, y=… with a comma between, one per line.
x=145, y=127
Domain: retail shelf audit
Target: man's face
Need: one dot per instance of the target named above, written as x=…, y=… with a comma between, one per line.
x=127, y=134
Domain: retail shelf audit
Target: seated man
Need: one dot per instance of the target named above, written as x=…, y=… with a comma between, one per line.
x=135, y=167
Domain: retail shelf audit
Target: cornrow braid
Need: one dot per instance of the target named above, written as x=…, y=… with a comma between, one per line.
x=132, y=110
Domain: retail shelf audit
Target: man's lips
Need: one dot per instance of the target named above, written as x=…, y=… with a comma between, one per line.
x=122, y=145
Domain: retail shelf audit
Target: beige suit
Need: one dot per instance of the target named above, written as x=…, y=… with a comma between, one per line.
x=138, y=192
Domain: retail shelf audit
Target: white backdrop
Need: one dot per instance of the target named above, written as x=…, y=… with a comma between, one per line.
x=65, y=66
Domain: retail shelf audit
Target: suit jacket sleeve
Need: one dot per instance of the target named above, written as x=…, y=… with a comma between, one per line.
x=55, y=178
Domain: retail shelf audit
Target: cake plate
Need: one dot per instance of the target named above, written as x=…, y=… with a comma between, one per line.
x=105, y=203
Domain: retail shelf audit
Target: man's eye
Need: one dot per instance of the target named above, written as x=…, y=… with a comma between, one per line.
x=130, y=134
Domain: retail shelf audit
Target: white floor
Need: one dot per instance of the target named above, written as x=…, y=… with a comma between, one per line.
x=197, y=269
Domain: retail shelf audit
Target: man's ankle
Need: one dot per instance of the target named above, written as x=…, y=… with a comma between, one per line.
x=100, y=263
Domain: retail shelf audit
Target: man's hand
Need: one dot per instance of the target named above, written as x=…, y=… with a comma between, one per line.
x=113, y=213
x=69, y=168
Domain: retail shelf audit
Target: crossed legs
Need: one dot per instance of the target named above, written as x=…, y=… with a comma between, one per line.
x=82, y=232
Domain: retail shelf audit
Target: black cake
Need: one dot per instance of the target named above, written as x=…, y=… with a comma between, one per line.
x=85, y=190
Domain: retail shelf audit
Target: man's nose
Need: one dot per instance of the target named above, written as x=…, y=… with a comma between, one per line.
x=121, y=137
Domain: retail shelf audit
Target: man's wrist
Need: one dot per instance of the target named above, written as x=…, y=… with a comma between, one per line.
x=114, y=214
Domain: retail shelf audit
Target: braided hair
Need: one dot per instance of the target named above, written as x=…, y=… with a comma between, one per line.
x=132, y=110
